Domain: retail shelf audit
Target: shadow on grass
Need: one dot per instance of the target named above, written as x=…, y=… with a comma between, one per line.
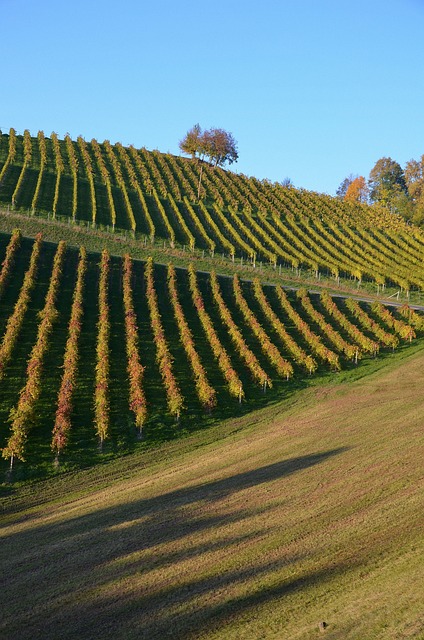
x=74, y=570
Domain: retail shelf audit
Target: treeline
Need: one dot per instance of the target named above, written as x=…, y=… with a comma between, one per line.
x=399, y=190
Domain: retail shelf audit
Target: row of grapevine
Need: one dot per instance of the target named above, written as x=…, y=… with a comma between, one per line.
x=59, y=170
x=223, y=241
x=169, y=228
x=205, y=392
x=11, y=155
x=283, y=367
x=177, y=213
x=351, y=351
x=313, y=340
x=365, y=344
x=73, y=163
x=246, y=354
x=62, y=424
x=106, y=179
x=120, y=181
x=8, y=262
x=299, y=355
x=27, y=162
x=163, y=355
x=135, y=369
x=43, y=161
x=371, y=325
x=90, y=175
x=234, y=383
x=129, y=167
x=101, y=392
x=199, y=226
x=16, y=319
x=21, y=415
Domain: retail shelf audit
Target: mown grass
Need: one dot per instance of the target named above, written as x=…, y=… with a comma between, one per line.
x=261, y=527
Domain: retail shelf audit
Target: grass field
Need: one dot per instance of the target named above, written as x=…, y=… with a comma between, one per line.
x=303, y=512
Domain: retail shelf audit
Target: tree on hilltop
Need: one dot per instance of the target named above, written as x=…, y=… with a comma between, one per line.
x=386, y=181
x=192, y=142
x=357, y=191
x=220, y=147
x=216, y=144
x=344, y=185
x=414, y=177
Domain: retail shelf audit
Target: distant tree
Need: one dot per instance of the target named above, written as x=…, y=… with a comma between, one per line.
x=414, y=177
x=343, y=187
x=216, y=144
x=357, y=191
x=386, y=181
x=192, y=141
x=287, y=183
x=220, y=147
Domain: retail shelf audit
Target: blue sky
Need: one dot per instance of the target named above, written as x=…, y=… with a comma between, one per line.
x=311, y=90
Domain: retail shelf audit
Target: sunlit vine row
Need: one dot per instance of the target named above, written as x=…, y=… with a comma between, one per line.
x=246, y=354
x=205, y=392
x=135, y=369
x=27, y=144
x=333, y=336
x=129, y=167
x=90, y=176
x=22, y=414
x=11, y=154
x=106, y=179
x=369, y=324
x=283, y=367
x=43, y=161
x=9, y=259
x=163, y=356
x=101, y=390
x=62, y=423
x=59, y=170
x=120, y=181
x=313, y=340
x=235, y=386
x=16, y=319
x=366, y=344
x=299, y=355
x=73, y=163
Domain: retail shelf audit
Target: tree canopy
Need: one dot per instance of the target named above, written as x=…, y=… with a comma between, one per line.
x=357, y=191
x=386, y=181
x=218, y=145
x=344, y=185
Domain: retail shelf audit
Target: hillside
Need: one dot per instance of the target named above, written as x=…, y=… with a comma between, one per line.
x=308, y=511
x=210, y=407
x=170, y=201
x=100, y=355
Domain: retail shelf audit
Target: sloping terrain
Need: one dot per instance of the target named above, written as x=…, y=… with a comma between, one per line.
x=305, y=512
x=100, y=355
x=166, y=200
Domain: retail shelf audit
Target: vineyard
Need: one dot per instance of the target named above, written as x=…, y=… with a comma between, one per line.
x=168, y=200
x=210, y=404
x=99, y=354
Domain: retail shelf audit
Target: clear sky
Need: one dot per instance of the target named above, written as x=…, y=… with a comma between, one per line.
x=312, y=90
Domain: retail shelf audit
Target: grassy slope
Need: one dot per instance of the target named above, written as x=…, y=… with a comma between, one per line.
x=305, y=511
